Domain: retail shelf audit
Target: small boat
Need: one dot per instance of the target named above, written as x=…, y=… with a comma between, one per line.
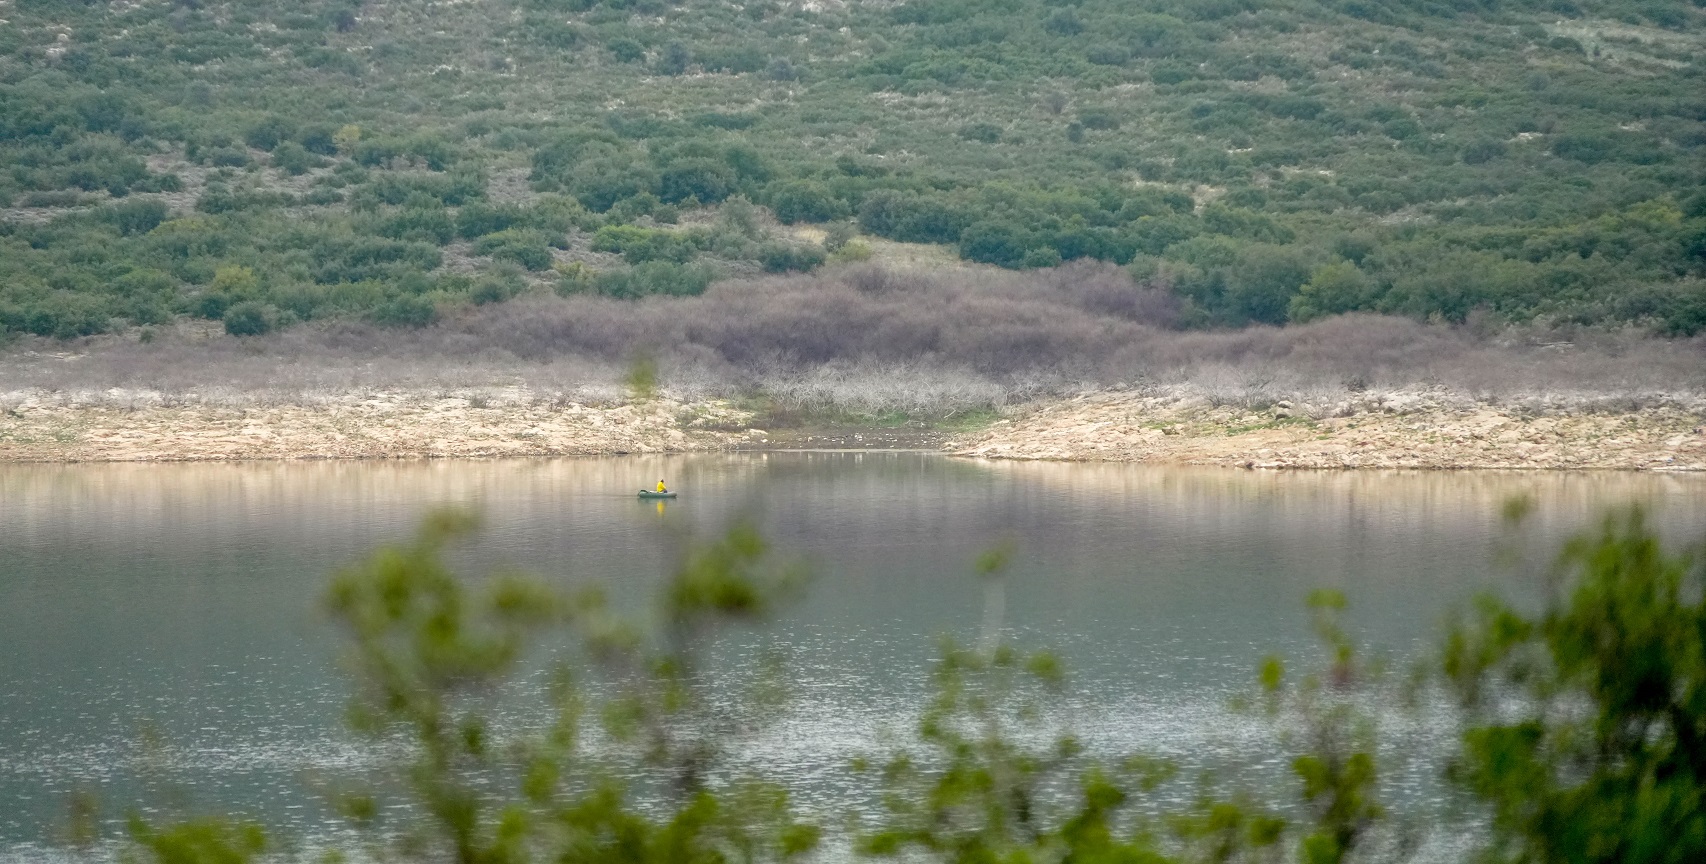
x=647, y=493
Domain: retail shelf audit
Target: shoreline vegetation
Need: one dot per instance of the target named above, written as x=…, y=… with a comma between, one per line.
x=246, y=230
x=1076, y=362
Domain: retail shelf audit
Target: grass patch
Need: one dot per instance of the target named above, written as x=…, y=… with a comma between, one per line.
x=769, y=413
x=1275, y=423
x=973, y=420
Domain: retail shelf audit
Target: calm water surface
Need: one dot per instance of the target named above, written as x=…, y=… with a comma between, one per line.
x=160, y=641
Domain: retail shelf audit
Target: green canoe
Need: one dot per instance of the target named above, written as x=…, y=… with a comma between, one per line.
x=647, y=494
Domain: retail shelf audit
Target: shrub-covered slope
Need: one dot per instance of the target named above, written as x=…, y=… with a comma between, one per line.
x=266, y=162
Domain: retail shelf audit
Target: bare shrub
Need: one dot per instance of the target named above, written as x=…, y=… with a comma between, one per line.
x=872, y=338
x=900, y=387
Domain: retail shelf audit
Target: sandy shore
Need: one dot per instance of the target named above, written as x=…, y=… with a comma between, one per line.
x=1415, y=429
x=1393, y=430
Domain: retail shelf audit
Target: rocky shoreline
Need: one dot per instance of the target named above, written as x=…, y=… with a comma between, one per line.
x=1415, y=429
x=1402, y=429
x=367, y=426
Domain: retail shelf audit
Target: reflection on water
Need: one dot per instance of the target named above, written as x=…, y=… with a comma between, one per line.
x=160, y=637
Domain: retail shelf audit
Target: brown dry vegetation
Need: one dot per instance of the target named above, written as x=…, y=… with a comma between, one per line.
x=871, y=339
x=1079, y=361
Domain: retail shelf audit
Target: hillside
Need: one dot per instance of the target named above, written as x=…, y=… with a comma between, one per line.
x=265, y=164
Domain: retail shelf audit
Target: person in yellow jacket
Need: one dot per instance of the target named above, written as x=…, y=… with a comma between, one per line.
x=661, y=487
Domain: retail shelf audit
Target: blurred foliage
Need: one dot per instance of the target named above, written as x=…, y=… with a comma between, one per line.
x=1337, y=739
x=1517, y=158
x=978, y=794
x=642, y=377
x=1582, y=724
x=431, y=656
x=200, y=841
x=1588, y=735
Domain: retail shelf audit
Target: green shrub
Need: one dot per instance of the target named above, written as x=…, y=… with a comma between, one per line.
x=145, y=282
x=707, y=181
x=1108, y=55
x=323, y=197
x=1063, y=22
x=674, y=59
x=221, y=200
x=573, y=277
x=452, y=189
x=359, y=259
x=738, y=59
x=1332, y=289
x=61, y=198
x=599, y=184
x=294, y=159
x=319, y=139
x=209, y=305
x=639, y=245
x=496, y=288
x=1000, y=243
x=405, y=311
x=528, y=248
x=1260, y=287
x=910, y=218
x=479, y=219
x=248, y=318
x=59, y=314
x=268, y=133
x=726, y=120
x=805, y=201
x=430, y=224
x=1043, y=256
x=1099, y=119
x=838, y=236
x=136, y=216
x=625, y=50
x=654, y=278
x=785, y=257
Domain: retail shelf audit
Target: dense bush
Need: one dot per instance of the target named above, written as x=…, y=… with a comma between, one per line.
x=137, y=216
x=784, y=257
x=404, y=311
x=247, y=318
x=1003, y=244
x=805, y=201
x=294, y=159
x=655, y=277
x=639, y=245
x=530, y=249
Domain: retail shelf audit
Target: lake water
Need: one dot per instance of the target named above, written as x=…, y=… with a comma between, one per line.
x=160, y=640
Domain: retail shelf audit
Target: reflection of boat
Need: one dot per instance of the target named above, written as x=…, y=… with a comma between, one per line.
x=649, y=494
